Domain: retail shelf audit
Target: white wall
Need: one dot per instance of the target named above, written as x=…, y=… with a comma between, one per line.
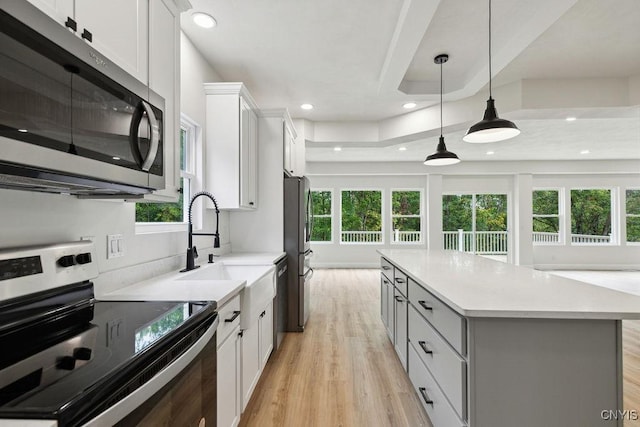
x=29, y=218
x=516, y=179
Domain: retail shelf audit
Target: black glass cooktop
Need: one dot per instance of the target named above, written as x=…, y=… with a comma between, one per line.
x=69, y=360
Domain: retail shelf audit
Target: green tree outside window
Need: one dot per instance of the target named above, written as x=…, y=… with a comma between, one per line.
x=322, y=213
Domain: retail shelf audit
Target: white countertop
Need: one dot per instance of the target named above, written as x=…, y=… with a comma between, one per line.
x=168, y=287
x=479, y=287
x=250, y=258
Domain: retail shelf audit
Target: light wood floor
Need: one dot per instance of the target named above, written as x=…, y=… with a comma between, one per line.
x=343, y=370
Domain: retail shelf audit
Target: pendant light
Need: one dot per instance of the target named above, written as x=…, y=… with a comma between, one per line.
x=442, y=156
x=491, y=128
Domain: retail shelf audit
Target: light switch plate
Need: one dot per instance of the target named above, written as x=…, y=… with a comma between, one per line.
x=115, y=246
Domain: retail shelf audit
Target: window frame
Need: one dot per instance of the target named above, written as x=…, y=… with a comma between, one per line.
x=560, y=216
x=330, y=215
x=627, y=215
x=382, y=217
x=420, y=216
x=613, y=203
x=193, y=150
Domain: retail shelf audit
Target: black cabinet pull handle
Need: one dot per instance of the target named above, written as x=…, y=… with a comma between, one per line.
x=399, y=280
x=251, y=203
x=399, y=299
x=425, y=396
x=425, y=306
x=263, y=314
x=87, y=35
x=386, y=282
x=71, y=24
x=236, y=313
x=386, y=267
x=241, y=333
x=423, y=344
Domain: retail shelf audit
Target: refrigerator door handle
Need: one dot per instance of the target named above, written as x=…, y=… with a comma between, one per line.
x=308, y=275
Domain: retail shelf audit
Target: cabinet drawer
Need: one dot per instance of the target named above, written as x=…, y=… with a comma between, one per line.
x=439, y=410
x=400, y=280
x=447, y=322
x=229, y=315
x=446, y=366
x=386, y=268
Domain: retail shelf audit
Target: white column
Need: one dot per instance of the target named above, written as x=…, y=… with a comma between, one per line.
x=433, y=210
x=522, y=230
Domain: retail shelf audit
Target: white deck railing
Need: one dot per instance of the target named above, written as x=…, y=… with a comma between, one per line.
x=589, y=238
x=361, y=237
x=545, y=237
x=406, y=236
x=485, y=242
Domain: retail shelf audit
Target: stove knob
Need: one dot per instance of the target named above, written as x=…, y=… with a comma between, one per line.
x=66, y=261
x=82, y=353
x=67, y=363
x=84, y=258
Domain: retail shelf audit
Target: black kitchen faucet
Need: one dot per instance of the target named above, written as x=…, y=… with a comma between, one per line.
x=192, y=253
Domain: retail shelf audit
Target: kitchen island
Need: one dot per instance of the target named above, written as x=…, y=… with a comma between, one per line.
x=492, y=344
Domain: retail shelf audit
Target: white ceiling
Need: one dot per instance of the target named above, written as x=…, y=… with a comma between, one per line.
x=360, y=60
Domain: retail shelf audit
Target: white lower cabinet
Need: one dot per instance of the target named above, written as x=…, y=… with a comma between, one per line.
x=229, y=370
x=229, y=377
x=257, y=344
x=400, y=314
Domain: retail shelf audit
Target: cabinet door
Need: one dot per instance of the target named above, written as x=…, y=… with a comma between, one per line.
x=59, y=10
x=164, y=79
x=119, y=30
x=250, y=361
x=266, y=334
x=245, y=152
x=391, y=315
x=400, y=323
x=251, y=174
x=229, y=381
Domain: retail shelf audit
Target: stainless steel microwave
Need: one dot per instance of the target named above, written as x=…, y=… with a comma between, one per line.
x=71, y=121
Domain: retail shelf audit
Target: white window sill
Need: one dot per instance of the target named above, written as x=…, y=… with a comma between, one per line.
x=160, y=227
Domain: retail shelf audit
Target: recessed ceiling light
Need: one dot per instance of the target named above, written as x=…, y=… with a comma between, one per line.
x=23, y=130
x=306, y=107
x=490, y=153
x=409, y=105
x=116, y=158
x=337, y=148
x=585, y=152
x=402, y=149
x=203, y=20
x=570, y=119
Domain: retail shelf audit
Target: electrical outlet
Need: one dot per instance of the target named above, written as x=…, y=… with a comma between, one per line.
x=115, y=246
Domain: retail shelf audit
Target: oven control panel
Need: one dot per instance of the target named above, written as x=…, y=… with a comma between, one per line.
x=37, y=268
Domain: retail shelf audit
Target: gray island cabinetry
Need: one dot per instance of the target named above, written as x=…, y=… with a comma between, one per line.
x=489, y=344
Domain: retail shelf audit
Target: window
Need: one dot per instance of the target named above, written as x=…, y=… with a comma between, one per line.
x=633, y=216
x=174, y=212
x=546, y=217
x=322, y=214
x=591, y=216
x=361, y=216
x=405, y=216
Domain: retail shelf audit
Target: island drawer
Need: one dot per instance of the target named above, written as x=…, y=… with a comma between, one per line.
x=229, y=315
x=446, y=366
x=433, y=400
x=386, y=268
x=400, y=280
x=447, y=322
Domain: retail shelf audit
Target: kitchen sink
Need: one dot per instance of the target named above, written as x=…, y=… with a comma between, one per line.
x=260, y=287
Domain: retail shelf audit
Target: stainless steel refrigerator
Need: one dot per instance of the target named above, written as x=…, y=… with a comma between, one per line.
x=297, y=236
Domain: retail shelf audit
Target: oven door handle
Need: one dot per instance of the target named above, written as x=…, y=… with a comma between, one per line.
x=134, y=140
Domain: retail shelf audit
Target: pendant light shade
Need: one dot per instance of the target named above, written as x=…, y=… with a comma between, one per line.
x=442, y=156
x=491, y=128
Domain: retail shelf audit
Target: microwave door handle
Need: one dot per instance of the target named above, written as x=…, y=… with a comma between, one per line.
x=134, y=139
x=155, y=138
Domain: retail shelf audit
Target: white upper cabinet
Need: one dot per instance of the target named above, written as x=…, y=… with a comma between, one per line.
x=164, y=79
x=231, y=145
x=118, y=29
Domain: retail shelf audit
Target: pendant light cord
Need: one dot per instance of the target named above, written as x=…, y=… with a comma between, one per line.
x=490, y=97
x=441, y=99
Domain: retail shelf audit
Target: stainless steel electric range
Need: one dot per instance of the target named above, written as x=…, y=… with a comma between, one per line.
x=67, y=359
